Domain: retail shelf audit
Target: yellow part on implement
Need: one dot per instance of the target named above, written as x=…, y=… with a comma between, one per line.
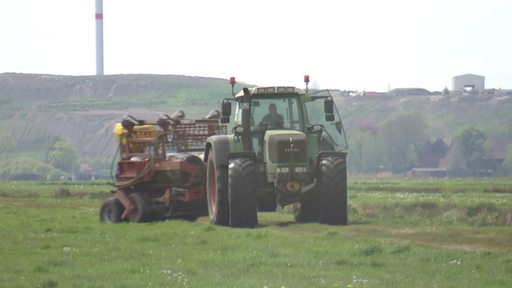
x=141, y=131
x=138, y=139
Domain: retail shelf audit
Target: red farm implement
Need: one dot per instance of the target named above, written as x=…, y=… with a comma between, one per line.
x=161, y=171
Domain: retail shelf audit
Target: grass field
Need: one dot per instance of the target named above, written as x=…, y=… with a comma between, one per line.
x=401, y=233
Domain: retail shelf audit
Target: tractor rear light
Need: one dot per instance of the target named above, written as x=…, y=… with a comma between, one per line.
x=232, y=80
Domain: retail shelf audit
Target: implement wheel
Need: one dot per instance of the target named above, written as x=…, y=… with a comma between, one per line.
x=242, y=193
x=217, y=191
x=142, y=210
x=111, y=210
x=332, y=188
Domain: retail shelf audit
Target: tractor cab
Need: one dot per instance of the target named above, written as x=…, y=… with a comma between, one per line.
x=285, y=108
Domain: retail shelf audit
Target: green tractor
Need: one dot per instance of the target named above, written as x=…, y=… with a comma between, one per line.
x=287, y=146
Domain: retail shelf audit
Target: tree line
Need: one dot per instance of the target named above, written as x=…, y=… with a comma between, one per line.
x=402, y=143
x=399, y=145
x=60, y=161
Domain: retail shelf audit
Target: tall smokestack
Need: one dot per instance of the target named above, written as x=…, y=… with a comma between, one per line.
x=99, y=37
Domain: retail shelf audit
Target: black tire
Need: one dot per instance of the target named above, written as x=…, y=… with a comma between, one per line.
x=111, y=210
x=267, y=204
x=332, y=190
x=308, y=209
x=242, y=193
x=217, y=191
x=142, y=210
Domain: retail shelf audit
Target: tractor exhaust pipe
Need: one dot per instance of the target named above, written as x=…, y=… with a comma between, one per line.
x=246, y=120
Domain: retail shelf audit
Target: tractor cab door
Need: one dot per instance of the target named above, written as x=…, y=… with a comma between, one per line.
x=333, y=135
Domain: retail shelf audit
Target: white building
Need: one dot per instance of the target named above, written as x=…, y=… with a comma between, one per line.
x=469, y=83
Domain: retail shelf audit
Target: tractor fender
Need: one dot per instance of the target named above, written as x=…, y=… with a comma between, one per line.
x=324, y=154
x=218, y=144
x=330, y=154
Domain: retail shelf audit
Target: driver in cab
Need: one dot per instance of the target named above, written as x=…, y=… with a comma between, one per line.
x=272, y=119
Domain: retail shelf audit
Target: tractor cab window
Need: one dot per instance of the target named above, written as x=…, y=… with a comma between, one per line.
x=333, y=136
x=275, y=113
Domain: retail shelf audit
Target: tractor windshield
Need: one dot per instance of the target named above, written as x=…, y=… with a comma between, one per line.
x=333, y=135
x=275, y=113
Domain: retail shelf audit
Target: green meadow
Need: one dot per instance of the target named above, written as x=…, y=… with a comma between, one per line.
x=401, y=233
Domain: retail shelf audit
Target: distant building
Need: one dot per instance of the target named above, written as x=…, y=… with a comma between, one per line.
x=468, y=84
x=429, y=172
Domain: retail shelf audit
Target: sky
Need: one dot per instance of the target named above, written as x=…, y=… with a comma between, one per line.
x=370, y=45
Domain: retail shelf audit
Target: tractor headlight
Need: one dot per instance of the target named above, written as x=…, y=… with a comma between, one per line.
x=238, y=129
x=283, y=170
x=316, y=128
x=300, y=170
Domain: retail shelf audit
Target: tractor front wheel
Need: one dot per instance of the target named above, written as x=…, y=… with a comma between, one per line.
x=217, y=191
x=332, y=188
x=242, y=193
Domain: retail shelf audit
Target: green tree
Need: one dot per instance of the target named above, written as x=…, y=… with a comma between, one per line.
x=507, y=164
x=7, y=142
x=402, y=137
x=357, y=151
x=366, y=154
x=63, y=156
x=24, y=168
x=471, y=141
x=429, y=153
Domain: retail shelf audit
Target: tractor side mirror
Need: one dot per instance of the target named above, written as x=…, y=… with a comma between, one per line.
x=225, y=111
x=329, y=109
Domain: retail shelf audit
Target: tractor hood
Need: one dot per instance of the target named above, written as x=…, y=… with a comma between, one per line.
x=285, y=146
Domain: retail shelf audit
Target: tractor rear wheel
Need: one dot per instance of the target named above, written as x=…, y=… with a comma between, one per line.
x=142, y=210
x=217, y=191
x=332, y=188
x=111, y=210
x=242, y=193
